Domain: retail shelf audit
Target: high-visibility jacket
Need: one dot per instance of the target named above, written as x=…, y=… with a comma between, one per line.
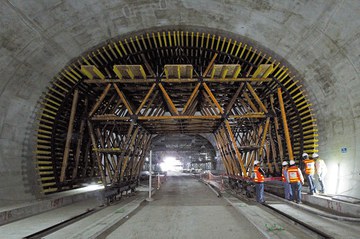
x=259, y=177
x=283, y=174
x=309, y=166
x=294, y=174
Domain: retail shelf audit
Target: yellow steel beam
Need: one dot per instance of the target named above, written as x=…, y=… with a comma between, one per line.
x=224, y=72
x=207, y=89
x=236, y=72
x=242, y=52
x=263, y=138
x=124, y=100
x=145, y=99
x=191, y=98
x=233, y=141
x=253, y=107
x=168, y=100
x=210, y=65
x=286, y=129
x=256, y=97
x=180, y=117
x=100, y=100
x=233, y=99
x=176, y=80
x=117, y=72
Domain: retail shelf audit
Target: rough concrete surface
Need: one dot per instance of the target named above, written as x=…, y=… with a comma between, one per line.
x=186, y=208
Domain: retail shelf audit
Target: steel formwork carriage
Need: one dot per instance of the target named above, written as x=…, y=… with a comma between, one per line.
x=101, y=112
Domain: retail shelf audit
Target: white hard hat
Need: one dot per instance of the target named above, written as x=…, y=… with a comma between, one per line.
x=284, y=163
x=305, y=155
x=256, y=162
x=292, y=162
x=315, y=155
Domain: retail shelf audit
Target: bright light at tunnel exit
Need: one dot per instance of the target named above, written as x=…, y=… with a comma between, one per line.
x=170, y=164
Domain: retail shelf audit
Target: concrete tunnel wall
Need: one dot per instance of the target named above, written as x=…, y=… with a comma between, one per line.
x=319, y=38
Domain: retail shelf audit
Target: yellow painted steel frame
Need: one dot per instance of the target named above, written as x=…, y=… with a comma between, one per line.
x=123, y=113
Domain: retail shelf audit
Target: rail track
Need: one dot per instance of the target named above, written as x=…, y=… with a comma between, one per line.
x=316, y=224
x=291, y=218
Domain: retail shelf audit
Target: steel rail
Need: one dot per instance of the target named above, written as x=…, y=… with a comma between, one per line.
x=303, y=224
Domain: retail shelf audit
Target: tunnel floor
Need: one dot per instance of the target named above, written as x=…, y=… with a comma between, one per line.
x=184, y=208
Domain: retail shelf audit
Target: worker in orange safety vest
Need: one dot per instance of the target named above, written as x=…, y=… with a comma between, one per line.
x=296, y=180
x=259, y=178
x=309, y=172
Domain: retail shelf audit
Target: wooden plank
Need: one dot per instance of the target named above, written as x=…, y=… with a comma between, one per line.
x=178, y=71
x=130, y=72
x=92, y=72
x=80, y=140
x=98, y=158
x=278, y=137
x=69, y=136
x=125, y=145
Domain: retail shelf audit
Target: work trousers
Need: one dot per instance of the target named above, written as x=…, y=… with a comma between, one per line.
x=310, y=179
x=288, y=191
x=296, y=190
x=259, y=192
x=321, y=182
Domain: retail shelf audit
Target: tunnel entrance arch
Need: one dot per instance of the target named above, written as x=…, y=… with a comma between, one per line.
x=101, y=112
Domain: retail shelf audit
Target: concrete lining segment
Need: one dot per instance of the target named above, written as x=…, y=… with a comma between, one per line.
x=347, y=211
x=322, y=205
x=329, y=207
x=100, y=226
x=288, y=28
x=15, y=212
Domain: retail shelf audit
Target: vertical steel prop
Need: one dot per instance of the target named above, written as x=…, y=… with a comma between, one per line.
x=286, y=129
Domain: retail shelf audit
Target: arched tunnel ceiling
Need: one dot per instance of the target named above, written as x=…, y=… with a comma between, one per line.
x=319, y=39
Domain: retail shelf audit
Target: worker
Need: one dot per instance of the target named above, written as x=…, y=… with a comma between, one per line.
x=321, y=170
x=296, y=181
x=285, y=179
x=259, y=178
x=309, y=172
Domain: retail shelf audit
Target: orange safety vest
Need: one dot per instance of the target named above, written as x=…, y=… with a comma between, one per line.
x=283, y=176
x=293, y=174
x=309, y=166
x=259, y=178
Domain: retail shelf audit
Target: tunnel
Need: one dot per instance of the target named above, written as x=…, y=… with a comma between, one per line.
x=90, y=88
